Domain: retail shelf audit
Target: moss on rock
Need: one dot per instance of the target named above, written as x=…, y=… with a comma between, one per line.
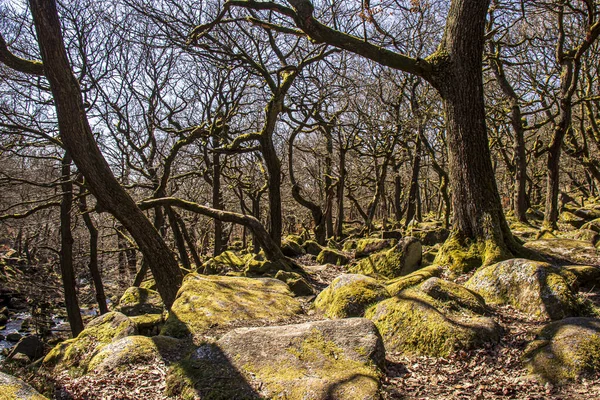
x=311, y=247
x=414, y=323
x=565, y=350
x=365, y=247
x=204, y=302
x=75, y=354
x=12, y=388
x=588, y=276
x=402, y=259
x=331, y=256
x=534, y=287
x=137, y=351
x=140, y=301
x=397, y=285
x=456, y=295
x=571, y=219
x=296, y=282
x=291, y=248
x=350, y=295
x=464, y=255
x=227, y=261
x=567, y=251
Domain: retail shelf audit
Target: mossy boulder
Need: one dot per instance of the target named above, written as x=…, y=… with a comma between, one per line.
x=75, y=354
x=296, y=282
x=537, y=288
x=349, y=295
x=140, y=301
x=463, y=255
x=588, y=276
x=12, y=388
x=291, y=248
x=332, y=256
x=587, y=214
x=365, y=247
x=227, y=261
x=586, y=235
x=148, y=324
x=569, y=218
x=565, y=350
x=311, y=247
x=135, y=352
x=397, y=285
x=257, y=265
x=454, y=294
x=402, y=259
x=295, y=238
x=523, y=230
x=207, y=301
x=339, y=359
x=350, y=245
x=414, y=323
x=430, y=236
x=592, y=225
x=568, y=251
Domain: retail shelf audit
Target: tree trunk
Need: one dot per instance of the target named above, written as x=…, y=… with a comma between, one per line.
x=66, y=249
x=93, y=265
x=216, y=198
x=413, y=197
x=328, y=181
x=79, y=141
x=339, y=223
x=480, y=233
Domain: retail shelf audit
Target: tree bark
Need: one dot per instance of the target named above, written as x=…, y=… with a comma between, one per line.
x=411, y=209
x=66, y=249
x=77, y=137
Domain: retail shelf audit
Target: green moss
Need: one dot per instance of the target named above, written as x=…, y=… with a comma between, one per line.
x=397, y=285
x=295, y=238
x=291, y=248
x=15, y=391
x=537, y=288
x=397, y=261
x=364, y=247
x=349, y=296
x=331, y=256
x=414, y=323
x=75, y=354
x=225, y=262
x=456, y=296
x=139, y=301
x=296, y=282
x=349, y=245
x=312, y=247
x=325, y=361
x=204, y=302
x=464, y=255
x=565, y=350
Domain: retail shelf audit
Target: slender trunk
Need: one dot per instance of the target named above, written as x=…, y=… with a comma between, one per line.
x=216, y=198
x=66, y=249
x=179, y=240
x=77, y=137
x=93, y=265
x=339, y=224
x=188, y=239
x=413, y=197
x=329, y=187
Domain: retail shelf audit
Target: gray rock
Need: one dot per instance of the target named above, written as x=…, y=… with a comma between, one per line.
x=12, y=388
x=31, y=346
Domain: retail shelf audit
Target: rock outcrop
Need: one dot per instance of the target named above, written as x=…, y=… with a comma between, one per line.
x=349, y=295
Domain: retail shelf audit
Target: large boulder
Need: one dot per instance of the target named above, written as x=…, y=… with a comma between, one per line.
x=565, y=350
x=430, y=236
x=227, y=261
x=592, y=225
x=537, y=288
x=204, y=302
x=416, y=323
x=135, y=352
x=292, y=248
x=402, y=259
x=588, y=276
x=568, y=251
x=332, y=256
x=397, y=285
x=75, y=354
x=338, y=359
x=140, y=301
x=569, y=218
x=365, y=247
x=12, y=388
x=32, y=346
x=311, y=247
x=349, y=295
x=296, y=282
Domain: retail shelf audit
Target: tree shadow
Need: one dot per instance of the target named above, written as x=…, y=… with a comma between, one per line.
x=207, y=373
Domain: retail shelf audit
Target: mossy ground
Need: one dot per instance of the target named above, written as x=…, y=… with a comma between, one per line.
x=397, y=285
x=332, y=256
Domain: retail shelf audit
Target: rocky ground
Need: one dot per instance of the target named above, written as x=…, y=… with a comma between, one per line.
x=480, y=355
